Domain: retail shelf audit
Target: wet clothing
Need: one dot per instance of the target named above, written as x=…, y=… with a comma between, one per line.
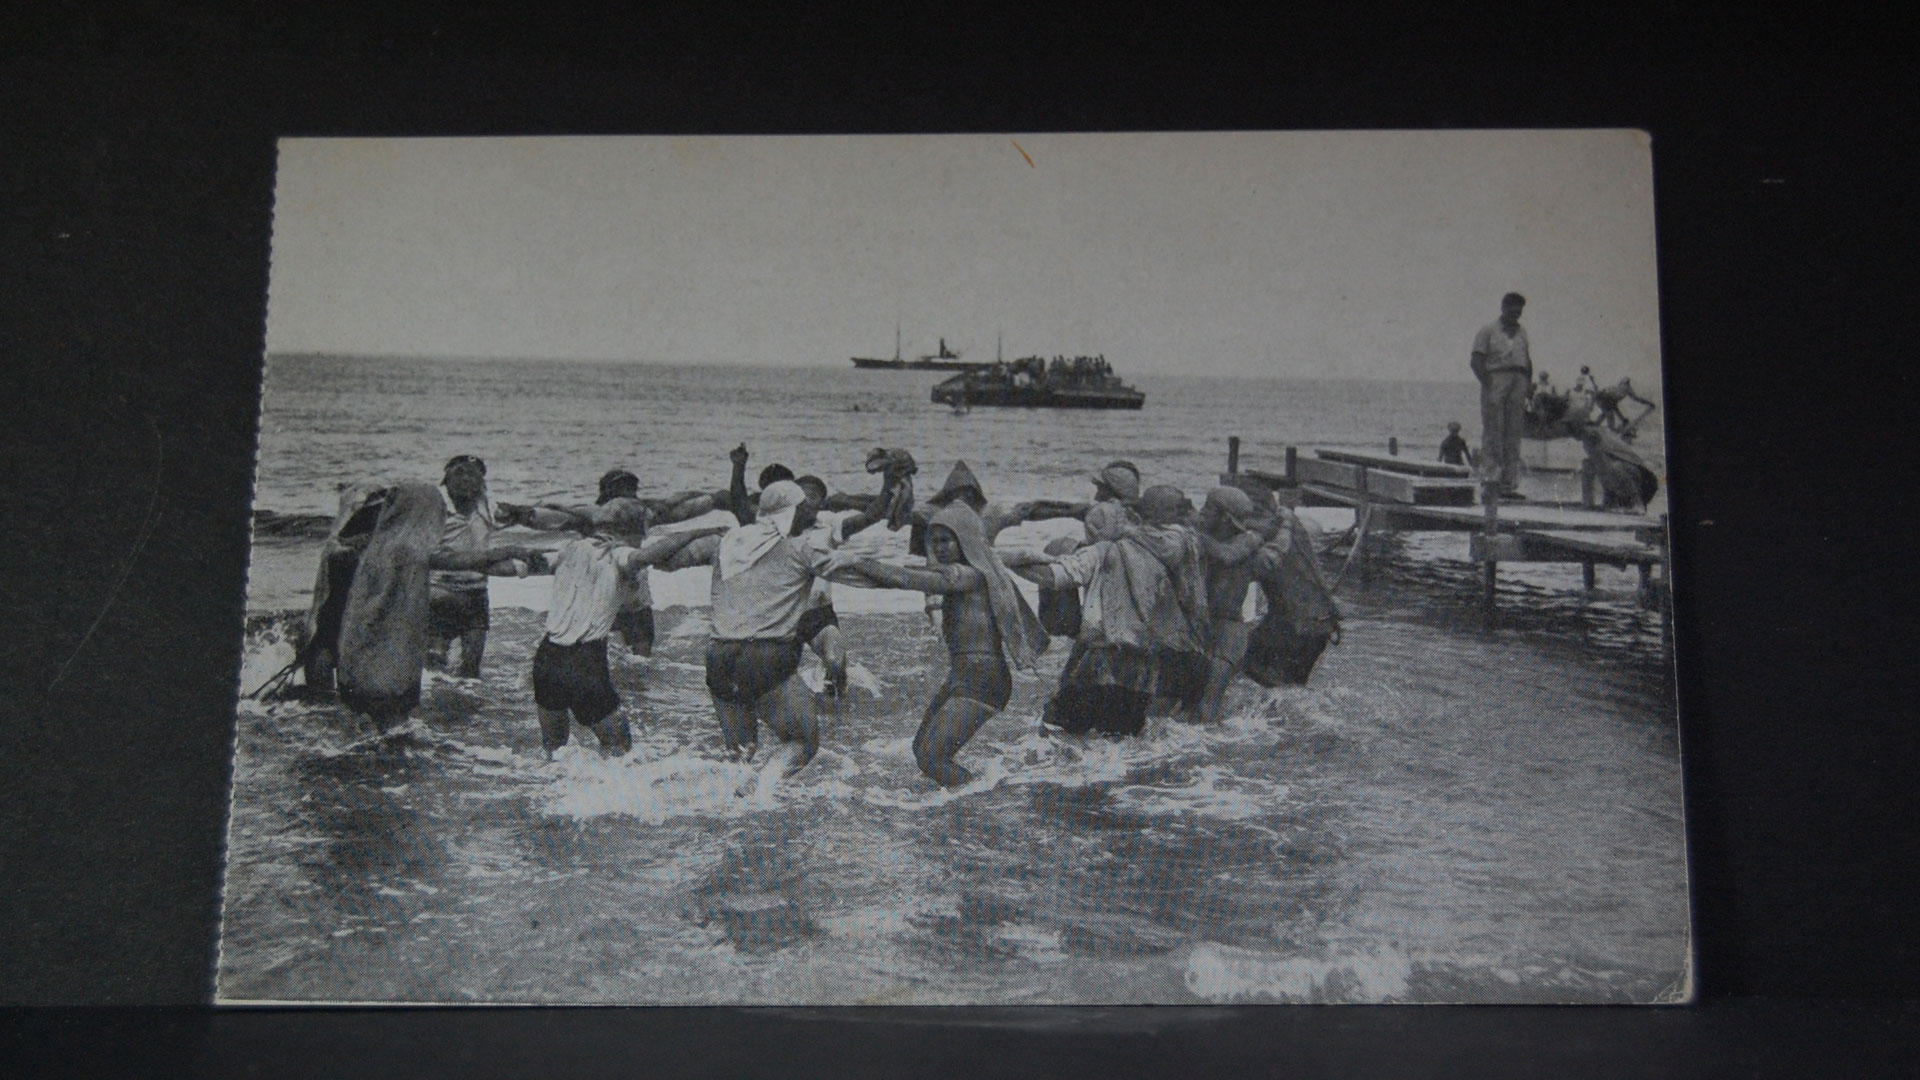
x=472, y=531
x=813, y=621
x=586, y=588
x=574, y=677
x=743, y=672
x=636, y=629
x=979, y=676
x=763, y=579
x=1453, y=450
x=1103, y=688
x=383, y=626
x=1301, y=618
x=453, y=612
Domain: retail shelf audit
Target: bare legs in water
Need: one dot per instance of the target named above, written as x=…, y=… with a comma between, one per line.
x=556, y=726
x=789, y=713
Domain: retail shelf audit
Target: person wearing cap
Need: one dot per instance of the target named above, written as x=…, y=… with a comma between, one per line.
x=1230, y=532
x=571, y=680
x=457, y=595
x=1454, y=449
x=763, y=577
x=1503, y=363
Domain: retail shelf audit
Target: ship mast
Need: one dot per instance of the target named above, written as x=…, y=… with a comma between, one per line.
x=896, y=343
x=996, y=346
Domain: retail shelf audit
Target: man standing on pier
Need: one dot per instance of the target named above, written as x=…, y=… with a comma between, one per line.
x=1503, y=365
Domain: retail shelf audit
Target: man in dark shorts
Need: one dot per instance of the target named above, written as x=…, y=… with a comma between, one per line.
x=457, y=597
x=762, y=578
x=570, y=675
x=980, y=600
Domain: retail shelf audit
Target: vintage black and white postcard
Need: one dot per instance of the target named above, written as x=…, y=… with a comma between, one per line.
x=1030, y=569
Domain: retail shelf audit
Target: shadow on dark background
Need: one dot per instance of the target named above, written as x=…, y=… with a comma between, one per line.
x=136, y=179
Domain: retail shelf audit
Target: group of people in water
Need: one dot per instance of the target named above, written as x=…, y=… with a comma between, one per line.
x=1151, y=591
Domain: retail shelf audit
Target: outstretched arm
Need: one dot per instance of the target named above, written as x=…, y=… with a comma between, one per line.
x=1049, y=509
x=946, y=580
x=477, y=560
x=697, y=552
x=663, y=548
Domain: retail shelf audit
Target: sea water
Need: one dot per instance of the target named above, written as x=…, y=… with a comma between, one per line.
x=1443, y=814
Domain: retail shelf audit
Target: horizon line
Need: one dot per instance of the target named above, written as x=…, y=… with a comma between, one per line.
x=648, y=362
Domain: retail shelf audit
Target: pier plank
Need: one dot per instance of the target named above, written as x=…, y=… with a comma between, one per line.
x=1394, y=463
x=1418, y=491
x=1332, y=473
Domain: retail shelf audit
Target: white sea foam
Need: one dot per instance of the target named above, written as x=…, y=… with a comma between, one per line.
x=1223, y=973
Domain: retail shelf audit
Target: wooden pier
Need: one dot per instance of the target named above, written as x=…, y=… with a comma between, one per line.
x=1389, y=493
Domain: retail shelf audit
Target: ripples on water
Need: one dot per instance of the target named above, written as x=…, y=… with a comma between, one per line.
x=1410, y=827
x=1444, y=814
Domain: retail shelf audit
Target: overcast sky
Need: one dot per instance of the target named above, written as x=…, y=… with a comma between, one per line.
x=1371, y=255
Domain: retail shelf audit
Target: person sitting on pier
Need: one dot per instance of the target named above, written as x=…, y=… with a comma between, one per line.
x=1454, y=449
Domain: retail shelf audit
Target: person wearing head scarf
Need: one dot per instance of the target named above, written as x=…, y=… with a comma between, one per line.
x=1230, y=532
x=1301, y=618
x=763, y=576
x=986, y=623
x=1130, y=614
x=590, y=572
x=964, y=487
x=1181, y=636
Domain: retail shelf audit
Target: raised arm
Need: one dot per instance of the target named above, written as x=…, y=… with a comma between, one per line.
x=742, y=507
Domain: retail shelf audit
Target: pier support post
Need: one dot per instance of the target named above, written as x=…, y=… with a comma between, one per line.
x=1293, y=464
x=1233, y=455
x=1490, y=496
x=1586, y=575
x=1393, y=445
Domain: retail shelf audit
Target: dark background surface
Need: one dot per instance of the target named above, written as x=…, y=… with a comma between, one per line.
x=136, y=178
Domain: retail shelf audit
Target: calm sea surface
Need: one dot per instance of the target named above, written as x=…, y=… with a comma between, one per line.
x=1444, y=814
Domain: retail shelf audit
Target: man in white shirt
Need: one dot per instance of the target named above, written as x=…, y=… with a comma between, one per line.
x=570, y=674
x=763, y=578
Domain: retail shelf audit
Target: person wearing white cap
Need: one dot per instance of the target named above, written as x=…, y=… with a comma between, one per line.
x=763, y=577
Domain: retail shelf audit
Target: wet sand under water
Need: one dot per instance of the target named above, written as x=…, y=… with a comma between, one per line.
x=1442, y=815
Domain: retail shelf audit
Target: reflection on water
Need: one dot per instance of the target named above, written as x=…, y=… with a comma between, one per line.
x=1444, y=814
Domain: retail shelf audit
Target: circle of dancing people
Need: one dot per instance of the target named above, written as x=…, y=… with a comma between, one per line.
x=1151, y=596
